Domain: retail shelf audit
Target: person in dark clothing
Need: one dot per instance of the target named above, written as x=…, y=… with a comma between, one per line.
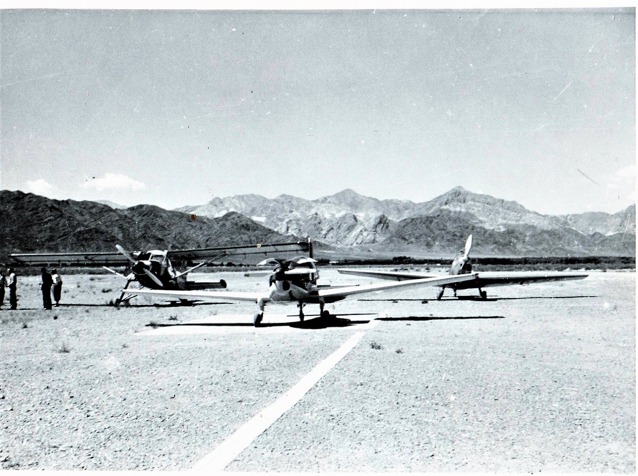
x=12, y=283
x=47, y=282
x=2, y=285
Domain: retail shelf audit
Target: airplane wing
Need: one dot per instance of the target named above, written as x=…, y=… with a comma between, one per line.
x=368, y=288
x=508, y=279
x=241, y=250
x=107, y=258
x=339, y=292
x=395, y=275
x=483, y=280
x=224, y=295
x=116, y=258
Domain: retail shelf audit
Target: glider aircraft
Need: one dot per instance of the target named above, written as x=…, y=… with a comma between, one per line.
x=461, y=265
x=295, y=281
x=153, y=268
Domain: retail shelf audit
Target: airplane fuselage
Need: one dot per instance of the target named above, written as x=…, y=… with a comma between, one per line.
x=460, y=265
x=307, y=293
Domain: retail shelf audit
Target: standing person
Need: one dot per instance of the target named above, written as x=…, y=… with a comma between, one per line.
x=57, y=286
x=47, y=282
x=2, y=285
x=12, y=283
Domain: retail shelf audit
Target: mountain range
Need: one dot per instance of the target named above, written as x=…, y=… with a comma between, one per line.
x=31, y=223
x=348, y=222
x=501, y=227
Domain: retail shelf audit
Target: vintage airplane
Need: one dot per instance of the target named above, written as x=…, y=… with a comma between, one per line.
x=462, y=265
x=154, y=269
x=295, y=280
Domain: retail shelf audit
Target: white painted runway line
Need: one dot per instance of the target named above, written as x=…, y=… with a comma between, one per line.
x=228, y=450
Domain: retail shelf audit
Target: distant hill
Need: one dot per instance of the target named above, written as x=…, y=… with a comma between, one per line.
x=440, y=225
x=431, y=235
x=604, y=223
x=111, y=204
x=31, y=223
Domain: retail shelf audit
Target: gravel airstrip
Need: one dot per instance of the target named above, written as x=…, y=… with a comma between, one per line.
x=536, y=378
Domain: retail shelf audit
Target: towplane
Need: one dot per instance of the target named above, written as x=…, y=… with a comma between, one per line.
x=461, y=265
x=295, y=281
x=154, y=269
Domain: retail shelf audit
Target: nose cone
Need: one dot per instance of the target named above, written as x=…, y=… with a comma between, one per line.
x=466, y=267
x=140, y=266
x=283, y=285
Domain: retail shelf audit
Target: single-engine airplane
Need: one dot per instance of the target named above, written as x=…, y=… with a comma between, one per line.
x=295, y=281
x=461, y=265
x=153, y=268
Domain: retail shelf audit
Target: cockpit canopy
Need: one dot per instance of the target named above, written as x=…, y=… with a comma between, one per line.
x=300, y=268
x=154, y=255
x=302, y=262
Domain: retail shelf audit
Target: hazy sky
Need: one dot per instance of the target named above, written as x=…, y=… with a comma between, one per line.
x=174, y=108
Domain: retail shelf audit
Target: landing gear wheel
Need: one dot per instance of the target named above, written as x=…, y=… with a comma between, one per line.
x=483, y=294
x=440, y=294
x=301, y=317
x=326, y=315
x=257, y=318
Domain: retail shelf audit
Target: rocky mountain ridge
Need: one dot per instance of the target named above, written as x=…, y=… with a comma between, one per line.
x=346, y=221
x=31, y=223
x=349, y=219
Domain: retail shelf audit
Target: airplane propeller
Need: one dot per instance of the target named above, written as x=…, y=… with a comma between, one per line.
x=468, y=246
x=126, y=254
x=116, y=273
x=269, y=262
x=465, y=259
x=129, y=257
x=155, y=279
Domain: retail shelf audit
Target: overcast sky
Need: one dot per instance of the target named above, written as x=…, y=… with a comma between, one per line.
x=174, y=108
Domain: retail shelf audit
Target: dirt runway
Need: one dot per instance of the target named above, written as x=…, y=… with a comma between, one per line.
x=536, y=378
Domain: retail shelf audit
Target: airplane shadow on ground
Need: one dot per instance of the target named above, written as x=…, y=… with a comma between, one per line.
x=521, y=298
x=138, y=306
x=319, y=322
x=480, y=299
x=312, y=323
x=436, y=318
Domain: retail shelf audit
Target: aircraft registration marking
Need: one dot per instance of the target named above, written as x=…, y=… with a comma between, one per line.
x=232, y=447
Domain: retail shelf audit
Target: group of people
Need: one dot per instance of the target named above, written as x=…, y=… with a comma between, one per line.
x=51, y=284
x=51, y=288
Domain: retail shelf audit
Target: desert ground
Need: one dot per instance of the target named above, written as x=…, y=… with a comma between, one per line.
x=536, y=378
